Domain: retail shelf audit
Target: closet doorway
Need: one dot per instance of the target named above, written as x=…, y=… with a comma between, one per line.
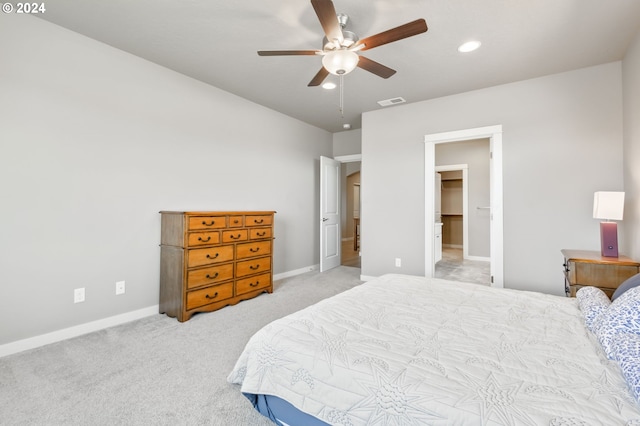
x=351, y=214
x=493, y=209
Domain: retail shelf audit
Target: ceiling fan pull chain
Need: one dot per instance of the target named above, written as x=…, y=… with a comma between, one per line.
x=342, y=95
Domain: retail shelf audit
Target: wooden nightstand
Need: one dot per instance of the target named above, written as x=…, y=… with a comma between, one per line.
x=589, y=268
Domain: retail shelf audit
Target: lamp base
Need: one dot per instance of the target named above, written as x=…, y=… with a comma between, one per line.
x=609, y=239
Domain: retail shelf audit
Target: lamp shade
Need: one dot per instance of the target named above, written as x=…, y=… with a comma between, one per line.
x=340, y=62
x=608, y=205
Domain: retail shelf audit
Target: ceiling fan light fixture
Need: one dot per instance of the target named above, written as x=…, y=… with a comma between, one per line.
x=329, y=85
x=469, y=46
x=340, y=62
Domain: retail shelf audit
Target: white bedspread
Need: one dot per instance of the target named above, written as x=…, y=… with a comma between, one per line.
x=404, y=350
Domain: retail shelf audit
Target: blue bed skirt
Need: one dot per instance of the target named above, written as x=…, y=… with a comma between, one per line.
x=281, y=412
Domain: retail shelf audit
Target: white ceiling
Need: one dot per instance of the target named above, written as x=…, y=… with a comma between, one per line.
x=215, y=41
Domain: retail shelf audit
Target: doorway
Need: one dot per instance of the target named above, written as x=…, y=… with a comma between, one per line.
x=333, y=205
x=494, y=210
x=351, y=215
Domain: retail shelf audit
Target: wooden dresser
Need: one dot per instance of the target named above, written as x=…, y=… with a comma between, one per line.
x=589, y=268
x=209, y=260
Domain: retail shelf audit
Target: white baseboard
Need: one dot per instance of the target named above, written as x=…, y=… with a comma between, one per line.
x=78, y=330
x=295, y=272
x=480, y=258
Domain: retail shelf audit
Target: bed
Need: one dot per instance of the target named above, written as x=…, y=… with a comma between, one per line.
x=406, y=350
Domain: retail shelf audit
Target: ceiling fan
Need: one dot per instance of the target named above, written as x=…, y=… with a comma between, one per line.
x=340, y=47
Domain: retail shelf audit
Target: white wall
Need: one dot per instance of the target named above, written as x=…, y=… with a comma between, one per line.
x=630, y=226
x=95, y=142
x=562, y=140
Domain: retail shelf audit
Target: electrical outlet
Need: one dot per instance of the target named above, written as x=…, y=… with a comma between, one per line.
x=78, y=295
x=398, y=262
x=119, y=287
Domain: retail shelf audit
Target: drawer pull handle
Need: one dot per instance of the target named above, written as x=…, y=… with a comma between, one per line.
x=235, y=237
x=261, y=234
x=208, y=224
x=254, y=250
x=209, y=256
x=253, y=268
x=205, y=241
x=213, y=277
x=256, y=284
x=211, y=297
x=236, y=221
x=258, y=221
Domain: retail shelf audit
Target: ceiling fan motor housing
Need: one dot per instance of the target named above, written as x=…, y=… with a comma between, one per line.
x=350, y=38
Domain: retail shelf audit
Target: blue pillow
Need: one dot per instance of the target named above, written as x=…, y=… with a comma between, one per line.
x=592, y=302
x=632, y=282
x=622, y=316
x=627, y=353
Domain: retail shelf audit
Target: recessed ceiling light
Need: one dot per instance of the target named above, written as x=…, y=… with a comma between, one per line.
x=469, y=46
x=329, y=86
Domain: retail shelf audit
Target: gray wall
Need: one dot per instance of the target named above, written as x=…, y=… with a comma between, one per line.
x=562, y=140
x=630, y=226
x=347, y=143
x=476, y=155
x=94, y=142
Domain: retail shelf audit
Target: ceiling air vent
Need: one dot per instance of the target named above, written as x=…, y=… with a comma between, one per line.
x=392, y=101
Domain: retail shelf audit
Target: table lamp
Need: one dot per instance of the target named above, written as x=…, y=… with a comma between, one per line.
x=609, y=206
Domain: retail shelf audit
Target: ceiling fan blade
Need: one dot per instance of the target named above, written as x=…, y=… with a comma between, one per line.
x=319, y=78
x=328, y=19
x=398, y=33
x=375, y=67
x=286, y=52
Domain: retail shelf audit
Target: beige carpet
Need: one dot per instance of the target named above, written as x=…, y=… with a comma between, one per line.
x=154, y=371
x=453, y=267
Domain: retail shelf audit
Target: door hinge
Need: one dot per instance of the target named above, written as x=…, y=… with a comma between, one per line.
x=491, y=279
x=491, y=155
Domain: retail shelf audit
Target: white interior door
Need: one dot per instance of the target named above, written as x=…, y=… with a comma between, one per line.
x=330, y=245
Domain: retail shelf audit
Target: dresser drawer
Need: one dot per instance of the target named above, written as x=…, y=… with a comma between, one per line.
x=261, y=220
x=259, y=233
x=203, y=238
x=197, y=298
x=246, y=285
x=234, y=236
x=207, y=222
x=236, y=221
x=259, y=248
x=211, y=275
x=253, y=266
x=208, y=256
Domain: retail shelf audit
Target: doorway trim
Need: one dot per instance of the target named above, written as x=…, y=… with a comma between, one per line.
x=494, y=134
x=464, y=168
